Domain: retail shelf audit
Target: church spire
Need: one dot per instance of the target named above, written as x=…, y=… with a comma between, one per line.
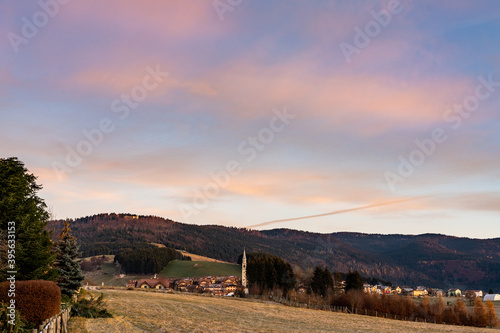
x=244, y=270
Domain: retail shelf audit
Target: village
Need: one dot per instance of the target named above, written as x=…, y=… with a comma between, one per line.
x=228, y=285
x=420, y=291
x=213, y=285
x=232, y=285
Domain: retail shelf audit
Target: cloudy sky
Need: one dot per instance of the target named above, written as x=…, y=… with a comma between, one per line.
x=243, y=112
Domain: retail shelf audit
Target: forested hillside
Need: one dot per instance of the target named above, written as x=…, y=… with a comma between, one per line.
x=431, y=260
x=146, y=260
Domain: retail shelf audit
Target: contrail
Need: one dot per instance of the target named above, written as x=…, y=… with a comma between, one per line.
x=338, y=211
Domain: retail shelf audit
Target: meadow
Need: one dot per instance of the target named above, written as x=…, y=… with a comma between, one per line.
x=179, y=268
x=140, y=311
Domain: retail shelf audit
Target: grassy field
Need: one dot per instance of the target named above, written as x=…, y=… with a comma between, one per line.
x=109, y=274
x=178, y=268
x=138, y=311
x=196, y=257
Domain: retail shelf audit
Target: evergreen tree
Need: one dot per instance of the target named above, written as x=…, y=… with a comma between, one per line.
x=353, y=281
x=267, y=271
x=322, y=281
x=149, y=260
x=3, y=256
x=20, y=204
x=70, y=274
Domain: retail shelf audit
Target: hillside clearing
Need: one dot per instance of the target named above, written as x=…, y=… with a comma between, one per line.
x=138, y=311
x=179, y=268
x=109, y=274
x=197, y=257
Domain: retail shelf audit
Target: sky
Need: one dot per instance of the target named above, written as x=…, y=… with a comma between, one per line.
x=364, y=116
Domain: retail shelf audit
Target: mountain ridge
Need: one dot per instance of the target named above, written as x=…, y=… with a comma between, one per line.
x=434, y=260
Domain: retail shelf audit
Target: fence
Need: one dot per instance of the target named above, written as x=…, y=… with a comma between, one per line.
x=55, y=324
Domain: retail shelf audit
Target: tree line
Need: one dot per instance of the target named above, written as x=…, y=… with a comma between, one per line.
x=147, y=260
x=406, y=308
x=47, y=271
x=323, y=290
x=32, y=252
x=266, y=272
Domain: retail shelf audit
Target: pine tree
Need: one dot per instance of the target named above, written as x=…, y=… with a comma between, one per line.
x=353, y=281
x=70, y=274
x=20, y=204
x=317, y=281
x=322, y=281
x=3, y=258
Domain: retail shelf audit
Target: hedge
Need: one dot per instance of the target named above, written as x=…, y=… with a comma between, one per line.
x=36, y=300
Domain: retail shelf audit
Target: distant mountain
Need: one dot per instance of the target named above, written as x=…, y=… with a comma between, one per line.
x=431, y=260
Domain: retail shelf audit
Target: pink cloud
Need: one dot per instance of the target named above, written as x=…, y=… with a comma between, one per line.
x=167, y=19
x=112, y=83
x=344, y=96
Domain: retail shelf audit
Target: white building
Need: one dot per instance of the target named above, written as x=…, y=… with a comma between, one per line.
x=491, y=297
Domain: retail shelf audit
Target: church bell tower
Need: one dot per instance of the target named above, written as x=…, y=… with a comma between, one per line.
x=244, y=272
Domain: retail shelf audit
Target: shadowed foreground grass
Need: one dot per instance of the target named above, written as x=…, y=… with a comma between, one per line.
x=137, y=311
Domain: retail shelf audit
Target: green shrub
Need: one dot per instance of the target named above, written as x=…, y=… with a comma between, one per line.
x=20, y=325
x=90, y=307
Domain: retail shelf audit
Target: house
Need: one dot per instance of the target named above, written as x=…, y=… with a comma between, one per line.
x=131, y=283
x=474, y=293
x=153, y=284
x=215, y=289
x=407, y=291
x=417, y=293
x=230, y=287
x=203, y=282
x=435, y=292
x=378, y=289
x=230, y=279
x=421, y=291
x=385, y=289
x=183, y=283
x=367, y=288
x=397, y=290
x=454, y=293
x=491, y=297
x=193, y=288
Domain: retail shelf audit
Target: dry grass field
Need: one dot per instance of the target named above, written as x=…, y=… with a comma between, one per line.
x=196, y=257
x=138, y=311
